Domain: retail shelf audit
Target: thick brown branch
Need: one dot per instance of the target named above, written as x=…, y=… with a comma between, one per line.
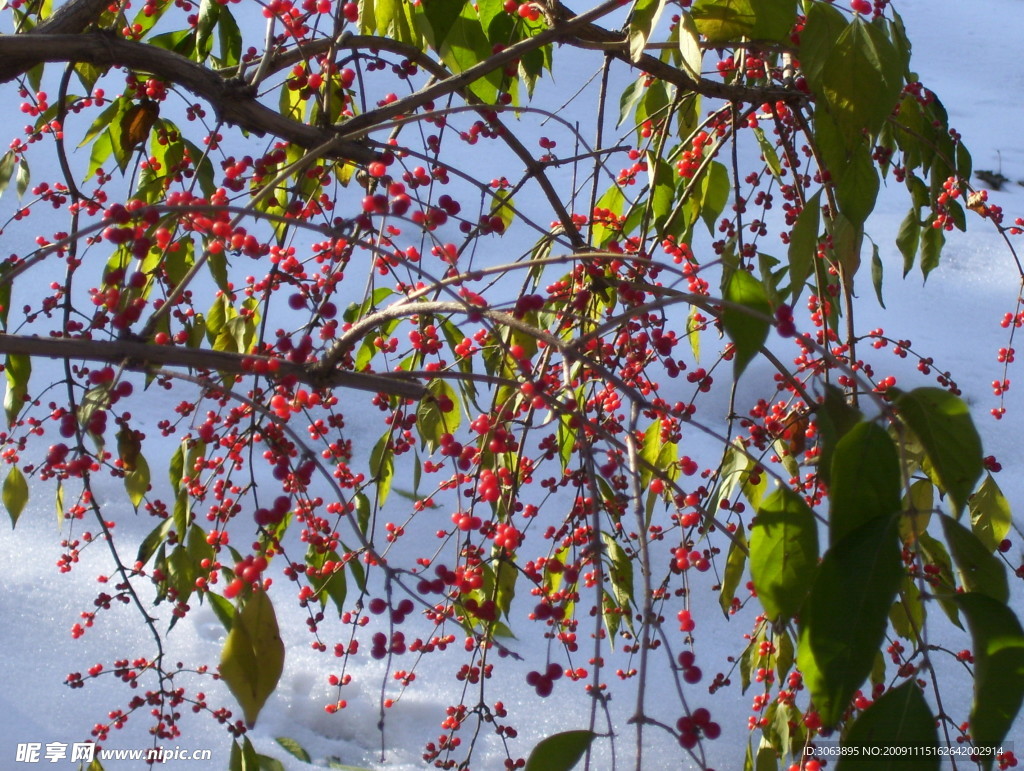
x=144, y=357
x=233, y=101
x=70, y=18
x=615, y=44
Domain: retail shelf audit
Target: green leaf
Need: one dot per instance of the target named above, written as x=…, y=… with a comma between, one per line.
x=913, y=133
x=230, y=38
x=620, y=573
x=243, y=756
x=901, y=718
x=835, y=418
x=367, y=17
x=630, y=98
x=935, y=553
x=865, y=480
x=991, y=518
x=662, y=185
x=6, y=169
x=253, y=655
x=784, y=655
x=861, y=80
x=333, y=585
x=964, y=164
x=88, y=74
x=612, y=617
x=734, y=473
x=730, y=20
x=152, y=541
x=943, y=425
x=466, y=45
x=847, y=239
x=980, y=570
x=18, y=368
x=714, y=194
x=382, y=466
x=441, y=16
x=823, y=26
x=23, y=177
x=907, y=613
x=267, y=763
x=690, y=52
x=559, y=752
x=843, y=621
x=734, y=565
x=653, y=104
x=767, y=758
x=612, y=200
x=294, y=749
x=15, y=494
x=181, y=574
x=877, y=272
x=724, y=20
x=503, y=206
x=832, y=150
x=505, y=577
x=998, y=668
x=857, y=186
x=745, y=664
x=222, y=609
x=803, y=245
x=771, y=158
x=783, y=553
x=918, y=503
x=932, y=241
x=180, y=41
x=198, y=548
x=650, y=451
x=393, y=20
x=908, y=238
x=58, y=503
x=209, y=12
x=693, y=330
x=431, y=422
x=747, y=332
x=136, y=481
x=641, y=23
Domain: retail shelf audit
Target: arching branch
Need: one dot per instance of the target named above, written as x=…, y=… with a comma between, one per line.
x=142, y=356
x=234, y=101
x=615, y=43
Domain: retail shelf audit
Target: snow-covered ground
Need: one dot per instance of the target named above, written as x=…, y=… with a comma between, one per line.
x=968, y=53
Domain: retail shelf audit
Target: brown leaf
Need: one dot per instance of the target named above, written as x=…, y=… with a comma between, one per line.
x=794, y=431
x=136, y=123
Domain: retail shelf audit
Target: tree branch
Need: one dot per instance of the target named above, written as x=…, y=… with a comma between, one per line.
x=233, y=100
x=72, y=17
x=617, y=45
x=142, y=357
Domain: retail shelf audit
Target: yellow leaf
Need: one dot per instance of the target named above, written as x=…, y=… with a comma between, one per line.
x=253, y=656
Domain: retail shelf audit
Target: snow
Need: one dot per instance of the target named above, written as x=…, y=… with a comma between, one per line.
x=965, y=52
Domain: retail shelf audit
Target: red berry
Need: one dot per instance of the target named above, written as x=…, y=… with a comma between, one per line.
x=686, y=622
